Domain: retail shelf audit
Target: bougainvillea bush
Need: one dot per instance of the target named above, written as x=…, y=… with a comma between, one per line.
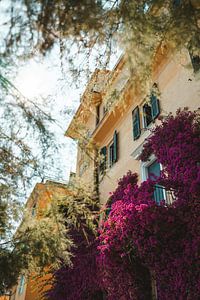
x=145, y=245
x=140, y=236
x=176, y=144
x=79, y=281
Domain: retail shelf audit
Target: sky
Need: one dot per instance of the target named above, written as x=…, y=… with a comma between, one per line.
x=42, y=79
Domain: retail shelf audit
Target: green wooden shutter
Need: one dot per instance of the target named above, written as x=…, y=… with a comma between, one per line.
x=103, y=151
x=108, y=210
x=155, y=109
x=115, y=145
x=136, y=123
x=145, y=120
x=111, y=150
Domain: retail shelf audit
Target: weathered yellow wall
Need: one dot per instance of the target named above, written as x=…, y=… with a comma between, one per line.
x=42, y=195
x=4, y=297
x=179, y=88
x=36, y=287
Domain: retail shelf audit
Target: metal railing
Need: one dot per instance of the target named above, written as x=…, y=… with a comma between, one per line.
x=162, y=194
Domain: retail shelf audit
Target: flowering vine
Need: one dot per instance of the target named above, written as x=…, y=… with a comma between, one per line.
x=155, y=248
x=80, y=280
x=144, y=247
x=176, y=144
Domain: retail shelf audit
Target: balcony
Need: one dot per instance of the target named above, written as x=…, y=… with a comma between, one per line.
x=161, y=194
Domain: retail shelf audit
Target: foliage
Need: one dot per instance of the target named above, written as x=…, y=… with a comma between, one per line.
x=24, y=128
x=50, y=238
x=36, y=245
x=140, y=26
x=143, y=27
x=80, y=206
x=141, y=239
x=26, y=146
x=179, y=153
x=79, y=279
x=117, y=240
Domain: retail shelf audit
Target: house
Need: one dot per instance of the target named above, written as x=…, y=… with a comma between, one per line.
x=113, y=120
x=31, y=287
x=116, y=115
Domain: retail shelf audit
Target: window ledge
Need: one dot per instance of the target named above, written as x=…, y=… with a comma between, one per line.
x=145, y=133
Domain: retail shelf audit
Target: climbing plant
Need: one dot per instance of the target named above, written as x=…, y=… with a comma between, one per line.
x=144, y=247
x=143, y=241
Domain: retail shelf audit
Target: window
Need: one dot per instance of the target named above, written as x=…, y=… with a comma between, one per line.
x=97, y=114
x=152, y=169
x=113, y=150
x=151, y=110
x=195, y=60
x=109, y=153
x=155, y=109
x=136, y=123
x=21, y=284
x=33, y=210
x=147, y=115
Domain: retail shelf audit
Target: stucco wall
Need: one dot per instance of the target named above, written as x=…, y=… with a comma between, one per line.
x=42, y=195
x=179, y=88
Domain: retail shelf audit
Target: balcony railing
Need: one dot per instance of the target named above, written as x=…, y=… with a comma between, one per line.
x=161, y=194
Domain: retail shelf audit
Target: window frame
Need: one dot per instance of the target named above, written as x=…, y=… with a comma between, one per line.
x=112, y=154
x=145, y=165
x=114, y=143
x=97, y=114
x=136, y=120
x=144, y=171
x=21, y=284
x=144, y=116
x=149, y=101
x=111, y=157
